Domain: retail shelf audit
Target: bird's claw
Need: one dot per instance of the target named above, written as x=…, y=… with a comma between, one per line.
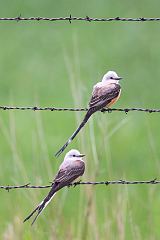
x=103, y=110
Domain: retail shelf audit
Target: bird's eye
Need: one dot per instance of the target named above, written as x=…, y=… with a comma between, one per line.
x=74, y=155
x=111, y=77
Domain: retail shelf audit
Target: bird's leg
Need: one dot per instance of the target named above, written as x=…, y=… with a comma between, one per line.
x=103, y=110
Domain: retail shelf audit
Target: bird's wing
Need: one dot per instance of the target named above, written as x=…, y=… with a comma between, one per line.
x=68, y=174
x=103, y=94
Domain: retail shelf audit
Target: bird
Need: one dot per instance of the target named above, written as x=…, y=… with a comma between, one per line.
x=104, y=95
x=71, y=168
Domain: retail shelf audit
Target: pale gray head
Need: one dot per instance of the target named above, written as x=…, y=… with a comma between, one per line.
x=111, y=76
x=73, y=155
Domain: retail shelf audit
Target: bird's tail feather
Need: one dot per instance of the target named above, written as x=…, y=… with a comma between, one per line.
x=87, y=116
x=41, y=206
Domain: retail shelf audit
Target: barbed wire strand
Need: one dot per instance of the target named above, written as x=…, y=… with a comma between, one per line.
x=86, y=18
x=109, y=110
x=121, y=182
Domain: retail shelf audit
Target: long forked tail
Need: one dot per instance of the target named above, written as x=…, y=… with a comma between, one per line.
x=87, y=116
x=41, y=206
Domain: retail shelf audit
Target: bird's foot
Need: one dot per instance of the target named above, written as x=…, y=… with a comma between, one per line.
x=103, y=110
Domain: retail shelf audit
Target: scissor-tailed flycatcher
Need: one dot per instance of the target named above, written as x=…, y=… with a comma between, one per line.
x=71, y=168
x=104, y=95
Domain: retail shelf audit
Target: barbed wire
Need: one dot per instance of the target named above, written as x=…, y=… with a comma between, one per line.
x=86, y=18
x=120, y=182
x=41, y=108
x=109, y=110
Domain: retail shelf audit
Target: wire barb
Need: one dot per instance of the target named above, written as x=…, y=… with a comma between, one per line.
x=109, y=110
x=70, y=19
x=114, y=182
x=87, y=19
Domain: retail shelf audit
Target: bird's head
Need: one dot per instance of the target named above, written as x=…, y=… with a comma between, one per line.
x=111, y=76
x=73, y=155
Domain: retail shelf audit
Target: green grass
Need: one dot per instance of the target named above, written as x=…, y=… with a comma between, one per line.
x=57, y=64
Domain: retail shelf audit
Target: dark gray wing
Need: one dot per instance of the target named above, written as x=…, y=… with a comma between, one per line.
x=102, y=96
x=68, y=174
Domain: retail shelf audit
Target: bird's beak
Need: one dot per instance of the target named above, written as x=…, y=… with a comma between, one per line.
x=81, y=155
x=118, y=78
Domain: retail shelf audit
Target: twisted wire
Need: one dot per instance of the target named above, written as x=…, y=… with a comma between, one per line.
x=35, y=108
x=70, y=18
x=106, y=183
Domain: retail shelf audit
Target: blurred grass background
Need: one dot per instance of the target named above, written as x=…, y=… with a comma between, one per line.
x=56, y=64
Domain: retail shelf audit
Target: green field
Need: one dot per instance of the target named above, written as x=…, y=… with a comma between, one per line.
x=56, y=64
